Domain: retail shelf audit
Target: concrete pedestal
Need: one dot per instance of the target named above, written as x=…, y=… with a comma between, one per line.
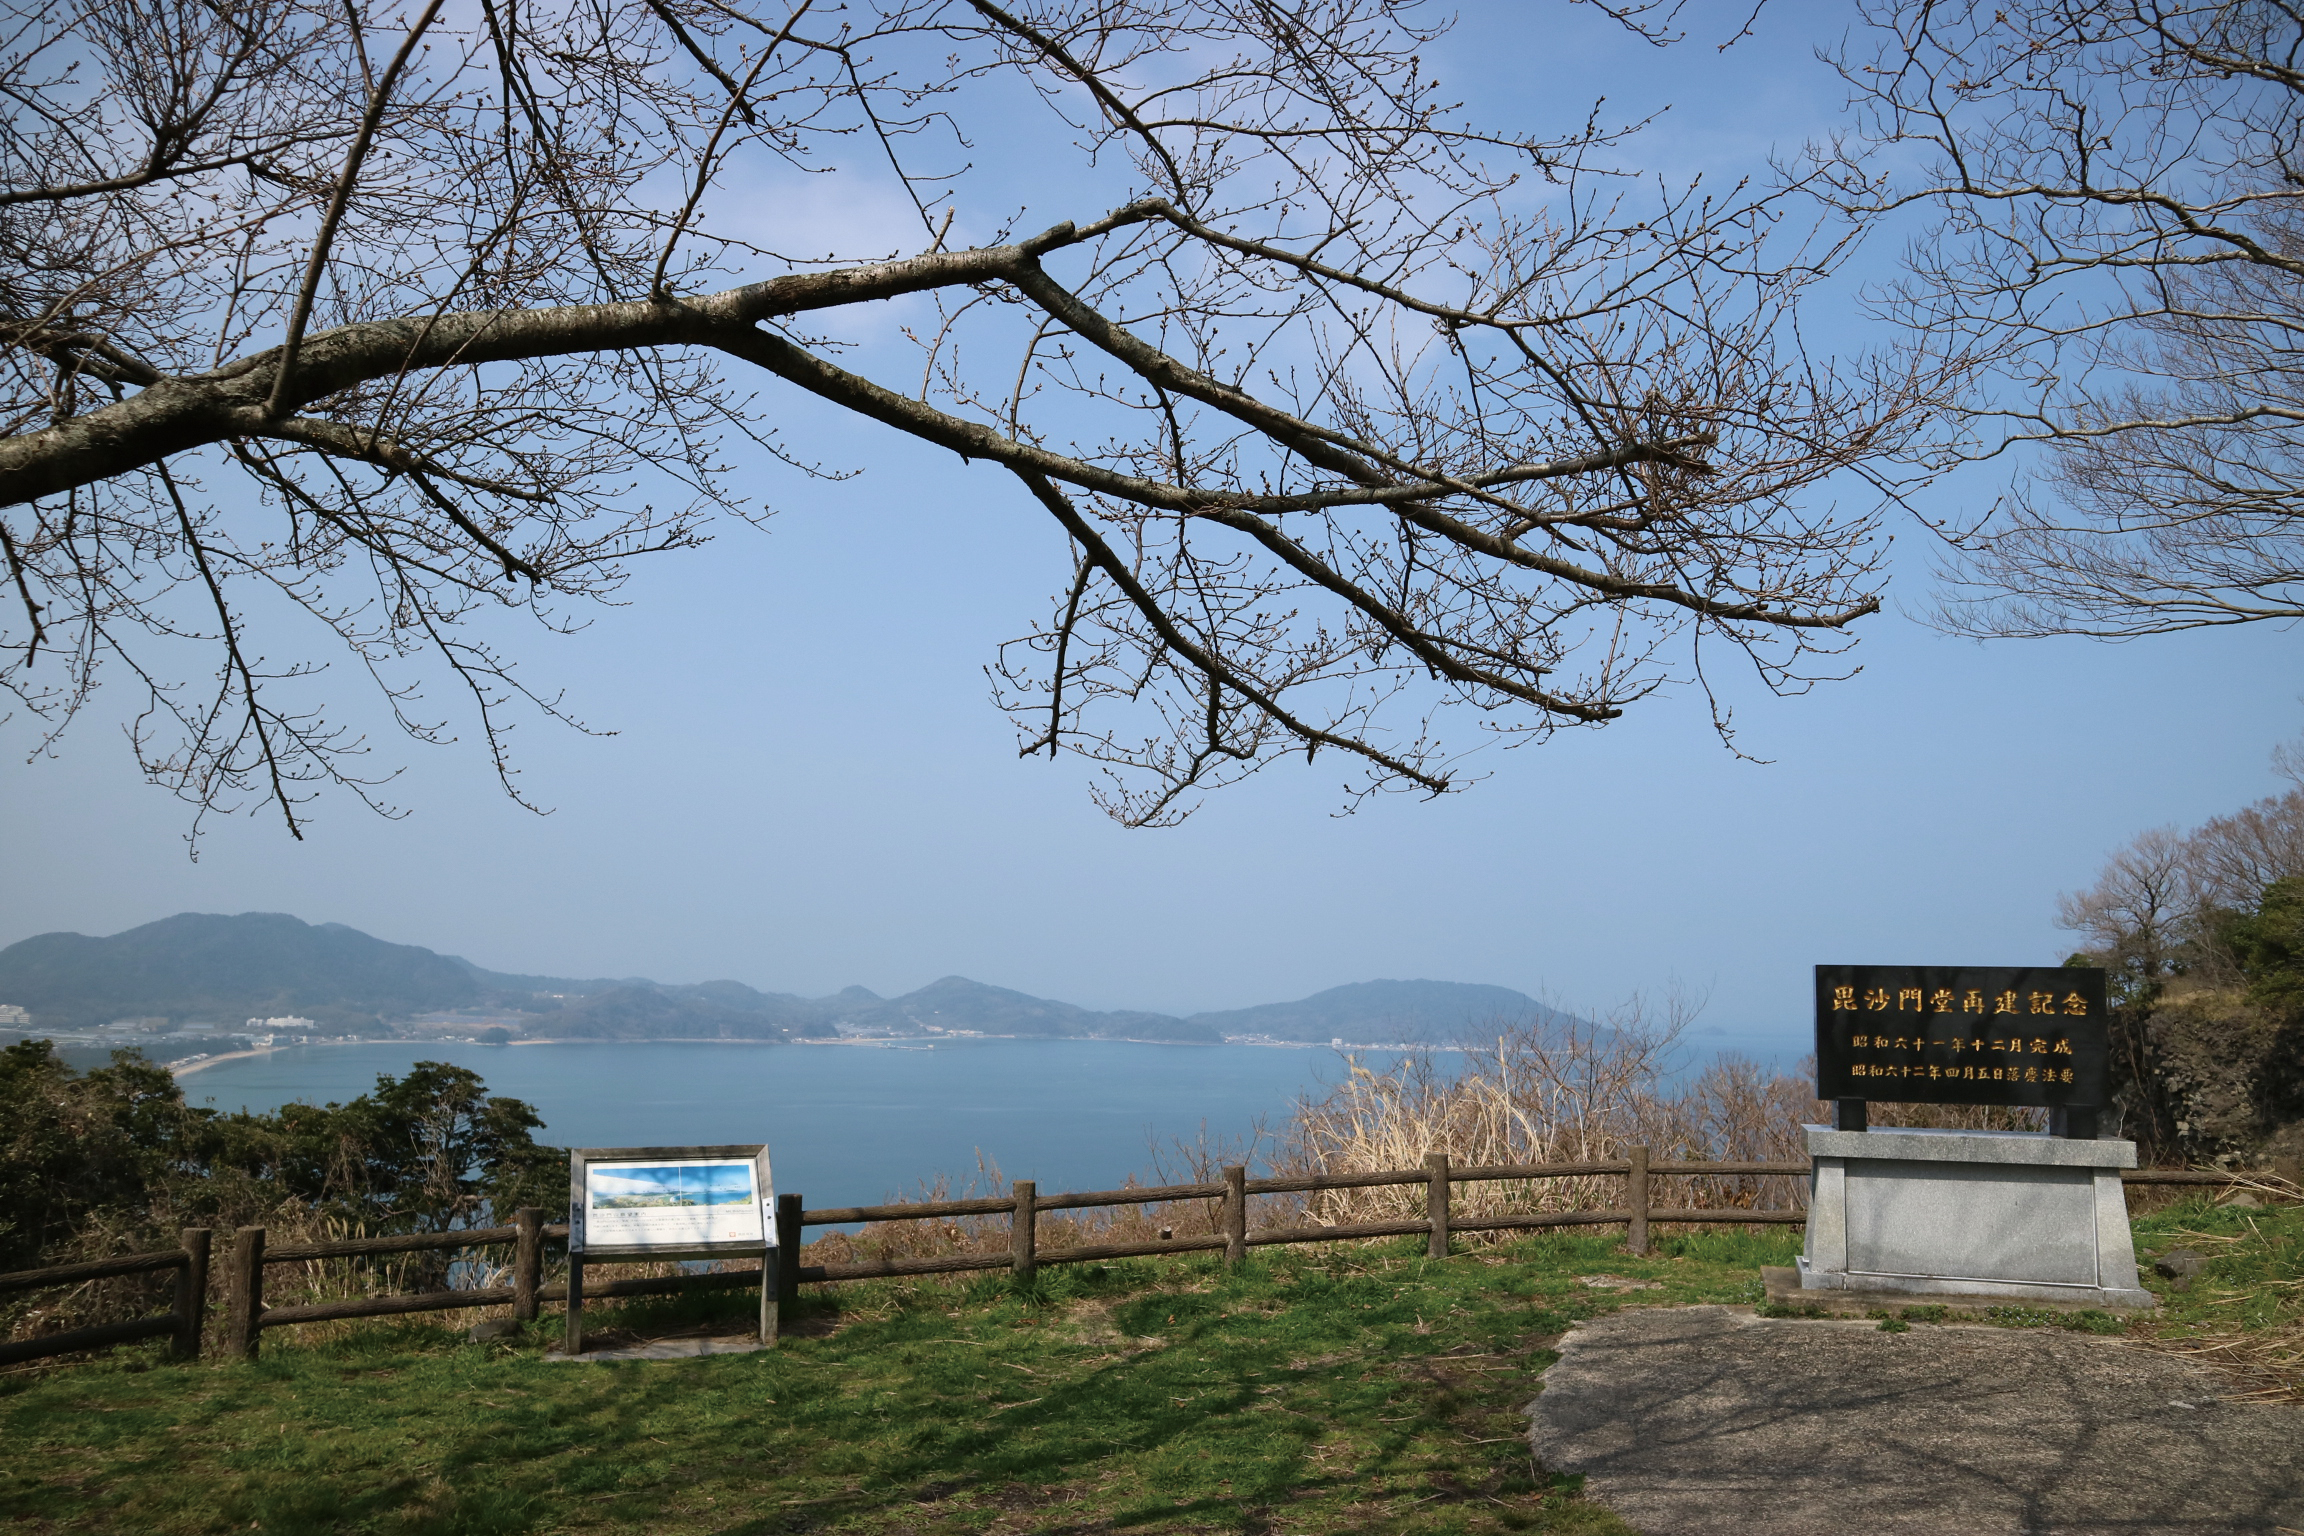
x=1970, y=1213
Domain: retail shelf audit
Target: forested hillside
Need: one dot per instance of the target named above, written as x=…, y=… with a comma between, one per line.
x=205, y=968
x=201, y=966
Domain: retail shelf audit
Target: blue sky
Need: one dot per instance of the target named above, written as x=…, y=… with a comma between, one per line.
x=809, y=789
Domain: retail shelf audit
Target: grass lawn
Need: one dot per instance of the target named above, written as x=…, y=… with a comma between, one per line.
x=1321, y=1389
x=1359, y=1389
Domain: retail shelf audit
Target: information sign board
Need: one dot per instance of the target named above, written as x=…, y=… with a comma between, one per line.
x=667, y=1202
x=1939, y=1034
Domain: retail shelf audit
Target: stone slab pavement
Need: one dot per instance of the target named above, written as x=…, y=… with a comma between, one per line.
x=665, y=1349
x=1707, y=1421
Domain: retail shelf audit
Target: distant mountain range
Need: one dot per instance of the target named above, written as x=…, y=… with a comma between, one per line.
x=199, y=969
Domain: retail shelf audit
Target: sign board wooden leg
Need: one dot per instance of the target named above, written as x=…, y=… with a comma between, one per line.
x=768, y=1298
x=573, y=1341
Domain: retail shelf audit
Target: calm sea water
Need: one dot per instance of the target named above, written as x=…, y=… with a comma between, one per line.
x=852, y=1125
x=846, y=1125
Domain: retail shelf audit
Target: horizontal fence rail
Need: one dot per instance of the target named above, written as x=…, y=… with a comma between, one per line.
x=1024, y=1206
x=413, y=1242
x=2190, y=1176
x=93, y=1269
x=248, y=1315
x=180, y=1323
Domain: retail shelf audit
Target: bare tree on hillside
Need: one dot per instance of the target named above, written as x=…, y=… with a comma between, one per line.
x=2189, y=1056
x=2137, y=916
x=2157, y=903
x=2118, y=193
x=1342, y=410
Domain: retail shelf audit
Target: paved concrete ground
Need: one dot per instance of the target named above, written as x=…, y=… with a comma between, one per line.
x=665, y=1349
x=1691, y=1421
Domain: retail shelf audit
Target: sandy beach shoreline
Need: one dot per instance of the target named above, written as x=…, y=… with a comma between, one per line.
x=187, y=1068
x=884, y=1042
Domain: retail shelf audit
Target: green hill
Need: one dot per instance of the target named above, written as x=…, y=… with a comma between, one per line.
x=203, y=966
x=209, y=968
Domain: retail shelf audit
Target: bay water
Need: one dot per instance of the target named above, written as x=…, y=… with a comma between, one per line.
x=845, y=1124
x=859, y=1124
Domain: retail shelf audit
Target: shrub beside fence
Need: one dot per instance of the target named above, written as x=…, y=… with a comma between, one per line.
x=1231, y=1233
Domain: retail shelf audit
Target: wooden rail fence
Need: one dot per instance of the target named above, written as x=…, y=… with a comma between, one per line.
x=247, y=1315
x=1235, y=1237
x=181, y=1323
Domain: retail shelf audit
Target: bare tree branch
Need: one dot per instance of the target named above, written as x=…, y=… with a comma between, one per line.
x=301, y=315
x=1347, y=414
x=2117, y=251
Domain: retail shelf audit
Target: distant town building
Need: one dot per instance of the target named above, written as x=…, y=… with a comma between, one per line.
x=286, y=1024
x=11, y=1014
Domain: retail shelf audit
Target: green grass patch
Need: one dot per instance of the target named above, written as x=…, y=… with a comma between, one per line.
x=2084, y=1321
x=2246, y=1306
x=1320, y=1389
x=2254, y=1277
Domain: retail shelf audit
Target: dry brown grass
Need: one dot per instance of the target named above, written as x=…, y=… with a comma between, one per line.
x=940, y=1237
x=1569, y=1092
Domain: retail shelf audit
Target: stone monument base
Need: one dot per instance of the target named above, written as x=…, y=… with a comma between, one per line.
x=2009, y=1214
x=1781, y=1286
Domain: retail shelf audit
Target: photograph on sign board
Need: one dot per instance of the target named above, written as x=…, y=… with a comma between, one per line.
x=661, y=1205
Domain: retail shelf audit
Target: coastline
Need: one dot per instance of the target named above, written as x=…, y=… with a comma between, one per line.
x=187, y=1068
x=881, y=1042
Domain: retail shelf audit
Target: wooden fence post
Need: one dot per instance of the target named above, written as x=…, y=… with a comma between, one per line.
x=244, y=1319
x=787, y=1250
x=1436, y=1202
x=1024, y=1262
x=191, y=1292
x=527, y=1262
x=1636, y=1201
x=1235, y=1217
